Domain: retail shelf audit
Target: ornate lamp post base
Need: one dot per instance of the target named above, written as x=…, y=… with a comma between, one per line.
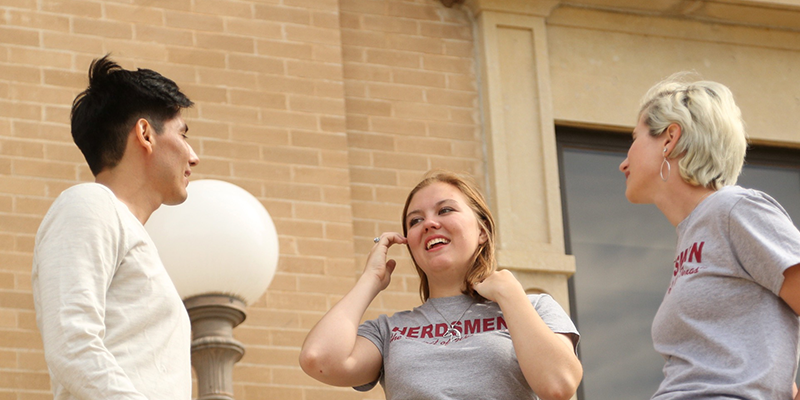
x=214, y=350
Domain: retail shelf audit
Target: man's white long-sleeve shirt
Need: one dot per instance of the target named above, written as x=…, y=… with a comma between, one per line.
x=112, y=323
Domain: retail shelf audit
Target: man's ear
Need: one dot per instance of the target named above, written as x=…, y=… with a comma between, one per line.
x=144, y=134
x=671, y=136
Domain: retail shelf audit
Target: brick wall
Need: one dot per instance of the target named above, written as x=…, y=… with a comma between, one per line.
x=327, y=111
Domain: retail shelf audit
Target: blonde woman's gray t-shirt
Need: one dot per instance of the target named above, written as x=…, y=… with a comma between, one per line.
x=420, y=362
x=722, y=329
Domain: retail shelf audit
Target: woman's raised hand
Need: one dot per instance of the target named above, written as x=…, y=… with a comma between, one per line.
x=499, y=283
x=377, y=264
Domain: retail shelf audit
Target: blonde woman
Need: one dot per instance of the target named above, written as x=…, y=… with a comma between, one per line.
x=727, y=326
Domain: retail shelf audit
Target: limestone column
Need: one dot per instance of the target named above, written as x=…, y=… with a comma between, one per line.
x=516, y=106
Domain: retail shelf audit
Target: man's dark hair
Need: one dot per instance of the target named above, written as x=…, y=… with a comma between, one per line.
x=104, y=113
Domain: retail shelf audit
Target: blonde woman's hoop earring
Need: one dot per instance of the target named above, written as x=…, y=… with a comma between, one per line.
x=669, y=167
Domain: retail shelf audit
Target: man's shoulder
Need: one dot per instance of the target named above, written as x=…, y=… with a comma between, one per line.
x=86, y=201
x=85, y=190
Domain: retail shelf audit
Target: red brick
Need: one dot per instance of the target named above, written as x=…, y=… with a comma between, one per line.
x=223, y=7
x=254, y=28
x=184, y=5
x=393, y=58
x=288, y=119
x=263, y=135
x=284, y=15
x=400, y=161
x=17, y=73
x=398, y=126
x=332, y=124
x=262, y=171
x=225, y=42
x=453, y=131
x=415, y=43
x=368, y=107
x=416, y=145
x=291, y=156
x=258, y=99
x=395, y=92
x=373, y=176
x=447, y=31
x=196, y=57
x=292, y=191
x=414, y=11
x=316, y=105
x=70, y=79
x=349, y=21
x=85, y=45
x=314, y=70
x=191, y=21
x=274, y=48
x=239, y=79
x=326, y=5
x=162, y=35
x=230, y=150
x=312, y=34
x=282, y=84
x=421, y=111
x=364, y=6
x=56, y=113
x=106, y=29
x=365, y=72
x=419, y=78
x=36, y=20
x=351, y=37
x=138, y=50
x=20, y=110
x=123, y=12
x=327, y=53
x=389, y=24
x=371, y=141
x=453, y=98
x=323, y=19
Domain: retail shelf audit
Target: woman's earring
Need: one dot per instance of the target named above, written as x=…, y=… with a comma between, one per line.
x=669, y=168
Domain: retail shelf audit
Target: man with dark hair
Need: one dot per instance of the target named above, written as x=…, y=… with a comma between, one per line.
x=112, y=323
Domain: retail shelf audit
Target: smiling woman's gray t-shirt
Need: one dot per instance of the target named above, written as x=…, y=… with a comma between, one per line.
x=419, y=362
x=722, y=329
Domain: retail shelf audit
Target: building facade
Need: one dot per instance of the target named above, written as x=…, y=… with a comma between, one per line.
x=329, y=111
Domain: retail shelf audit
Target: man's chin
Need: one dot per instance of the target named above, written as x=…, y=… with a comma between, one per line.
x=175, y=200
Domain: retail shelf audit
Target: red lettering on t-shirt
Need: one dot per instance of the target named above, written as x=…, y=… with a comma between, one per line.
x=697, y=252
x=694, y=253
x=427, y=331
x=501, y=323
x=472, y=326
x=488, y=324
x=402, y=330
x=413, y=332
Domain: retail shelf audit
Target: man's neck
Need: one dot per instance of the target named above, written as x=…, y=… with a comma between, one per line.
x=131, y=190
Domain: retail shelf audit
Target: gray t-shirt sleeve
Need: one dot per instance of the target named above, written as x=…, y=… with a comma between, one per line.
x=554, y=316
x=371, y=331
x=764, y=239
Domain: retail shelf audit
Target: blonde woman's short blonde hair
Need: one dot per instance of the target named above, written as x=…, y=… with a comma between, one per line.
x=713, y=140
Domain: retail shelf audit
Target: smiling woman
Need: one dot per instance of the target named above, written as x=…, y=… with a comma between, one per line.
x=476, y=335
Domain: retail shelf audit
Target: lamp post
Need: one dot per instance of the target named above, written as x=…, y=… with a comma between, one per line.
x=220, y=248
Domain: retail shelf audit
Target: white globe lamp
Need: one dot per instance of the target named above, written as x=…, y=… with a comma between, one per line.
x=220, y=248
